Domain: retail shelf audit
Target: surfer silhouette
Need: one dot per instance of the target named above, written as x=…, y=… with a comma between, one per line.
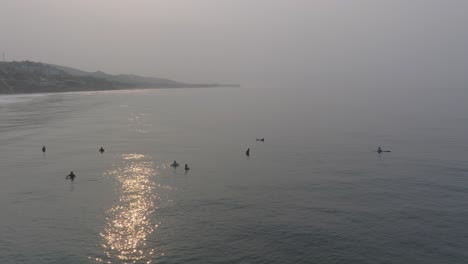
x=71, y=176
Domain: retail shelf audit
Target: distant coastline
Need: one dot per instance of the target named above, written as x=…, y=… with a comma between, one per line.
x=27, y=77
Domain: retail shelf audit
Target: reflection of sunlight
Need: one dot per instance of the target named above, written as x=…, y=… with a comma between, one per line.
x=129, y=221
x=133, y=156
x=138, y=123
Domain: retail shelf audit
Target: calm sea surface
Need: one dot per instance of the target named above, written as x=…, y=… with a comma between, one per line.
x=314, y=192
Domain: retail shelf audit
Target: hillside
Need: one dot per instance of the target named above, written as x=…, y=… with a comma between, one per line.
x=37, y=77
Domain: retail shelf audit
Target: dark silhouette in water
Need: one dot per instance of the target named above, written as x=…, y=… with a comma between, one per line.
x=187, y=167
x=261, y=139
x=43, y=149
x=379, y=150
x=247, y=152
x=71, y=176
x=101, y=150
x=175, y=164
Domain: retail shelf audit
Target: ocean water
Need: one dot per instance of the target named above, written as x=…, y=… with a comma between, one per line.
x=314, y=192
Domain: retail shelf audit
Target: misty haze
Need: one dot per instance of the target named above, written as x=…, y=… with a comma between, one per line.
x=233, y=131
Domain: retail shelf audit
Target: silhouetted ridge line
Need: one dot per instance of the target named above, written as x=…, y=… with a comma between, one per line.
x=37, y=77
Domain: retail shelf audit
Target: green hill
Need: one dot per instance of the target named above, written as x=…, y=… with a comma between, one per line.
x=37, y=77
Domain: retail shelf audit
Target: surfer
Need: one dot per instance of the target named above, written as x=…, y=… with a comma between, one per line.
x=71, y=176
x=101, y=150
x=187, y=167
x=261, y=139
x=43, y=149
x=175, y=164
x=379, y=150
x=247, y=152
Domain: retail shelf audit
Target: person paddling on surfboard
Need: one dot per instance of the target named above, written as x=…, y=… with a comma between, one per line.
x=379, y=150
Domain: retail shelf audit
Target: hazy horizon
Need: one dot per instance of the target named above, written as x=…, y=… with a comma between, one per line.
x=408, y=43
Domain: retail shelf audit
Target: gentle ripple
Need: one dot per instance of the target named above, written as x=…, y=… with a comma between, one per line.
x=314, y=192
x=130, y=221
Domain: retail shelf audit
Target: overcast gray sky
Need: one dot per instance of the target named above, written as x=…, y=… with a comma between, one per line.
x=235, y=40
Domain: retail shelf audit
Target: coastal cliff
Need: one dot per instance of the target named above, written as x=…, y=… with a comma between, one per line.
x=37, y=77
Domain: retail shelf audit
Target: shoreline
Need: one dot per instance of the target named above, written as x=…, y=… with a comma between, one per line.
x=122, y=89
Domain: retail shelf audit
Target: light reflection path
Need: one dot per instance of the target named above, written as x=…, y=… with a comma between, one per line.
x=129, y=222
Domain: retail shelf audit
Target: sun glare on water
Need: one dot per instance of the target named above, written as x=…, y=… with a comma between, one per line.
x=129, y=222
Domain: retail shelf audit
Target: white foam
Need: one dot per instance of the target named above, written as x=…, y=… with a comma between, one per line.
x=18, y=98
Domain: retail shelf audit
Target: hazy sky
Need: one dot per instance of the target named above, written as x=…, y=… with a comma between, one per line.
x=410, y=41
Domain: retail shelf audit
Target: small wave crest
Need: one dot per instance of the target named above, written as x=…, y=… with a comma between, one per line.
x=8, y=99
